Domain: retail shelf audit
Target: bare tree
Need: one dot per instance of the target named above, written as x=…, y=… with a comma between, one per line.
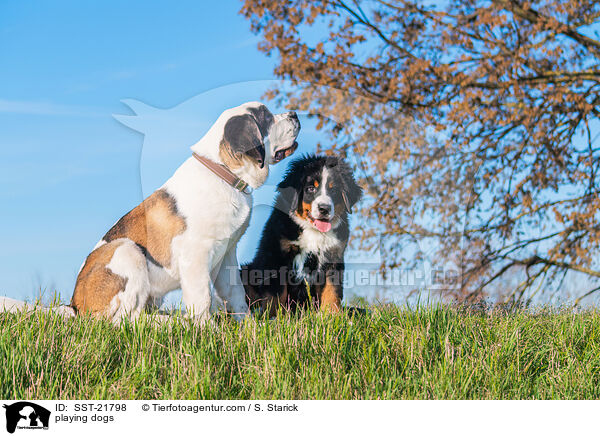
x=475, y=121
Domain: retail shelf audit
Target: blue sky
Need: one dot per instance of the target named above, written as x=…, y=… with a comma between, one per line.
x=68, y=168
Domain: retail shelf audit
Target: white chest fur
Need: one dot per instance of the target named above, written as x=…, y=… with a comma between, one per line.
x=210, y=206
x=313, y=241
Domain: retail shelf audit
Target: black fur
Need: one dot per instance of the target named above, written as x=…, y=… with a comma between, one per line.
x=271, y=278
x=264, y=118
x=243, y=134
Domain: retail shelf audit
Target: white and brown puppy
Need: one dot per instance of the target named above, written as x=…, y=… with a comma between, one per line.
x=185, y=234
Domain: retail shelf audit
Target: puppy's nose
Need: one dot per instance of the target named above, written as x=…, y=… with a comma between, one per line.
x=324, y=208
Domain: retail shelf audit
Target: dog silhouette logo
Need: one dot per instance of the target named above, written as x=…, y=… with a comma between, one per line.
x=26, y=415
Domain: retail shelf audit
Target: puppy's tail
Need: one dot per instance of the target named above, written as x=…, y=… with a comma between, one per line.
x=9, y=305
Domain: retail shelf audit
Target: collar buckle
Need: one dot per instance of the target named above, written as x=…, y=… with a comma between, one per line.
x=224, y=173
x=242, y=186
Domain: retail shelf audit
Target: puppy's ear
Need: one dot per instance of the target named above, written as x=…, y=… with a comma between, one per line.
x=291, y=186
x=264, y=118
x=351, y=192
x=243, y=136
x=290, y=194
x=294, y=201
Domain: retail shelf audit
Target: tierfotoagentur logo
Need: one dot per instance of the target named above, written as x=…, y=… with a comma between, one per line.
x=26, y=415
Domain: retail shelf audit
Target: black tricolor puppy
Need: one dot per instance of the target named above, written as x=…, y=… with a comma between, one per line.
x=300, y=258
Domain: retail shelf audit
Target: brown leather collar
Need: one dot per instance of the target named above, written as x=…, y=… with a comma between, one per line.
x=224, y=173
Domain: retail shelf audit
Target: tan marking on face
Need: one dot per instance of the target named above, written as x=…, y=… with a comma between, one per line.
x=305, y=211
x=330, y=298
x=232, y=159
x=97, y=285
x=229, y=157
x=316, y=183
x=152, y=225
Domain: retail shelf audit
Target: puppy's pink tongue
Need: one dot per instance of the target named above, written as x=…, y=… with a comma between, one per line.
x=323, y=226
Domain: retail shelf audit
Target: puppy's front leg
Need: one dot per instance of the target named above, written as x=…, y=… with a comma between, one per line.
x=195, y=284
x=332, y=293
x=229, y=285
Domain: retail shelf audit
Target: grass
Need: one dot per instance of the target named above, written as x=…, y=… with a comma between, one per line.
x=391, y=353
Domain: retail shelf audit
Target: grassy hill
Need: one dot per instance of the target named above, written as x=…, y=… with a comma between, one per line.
x=391, y=353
